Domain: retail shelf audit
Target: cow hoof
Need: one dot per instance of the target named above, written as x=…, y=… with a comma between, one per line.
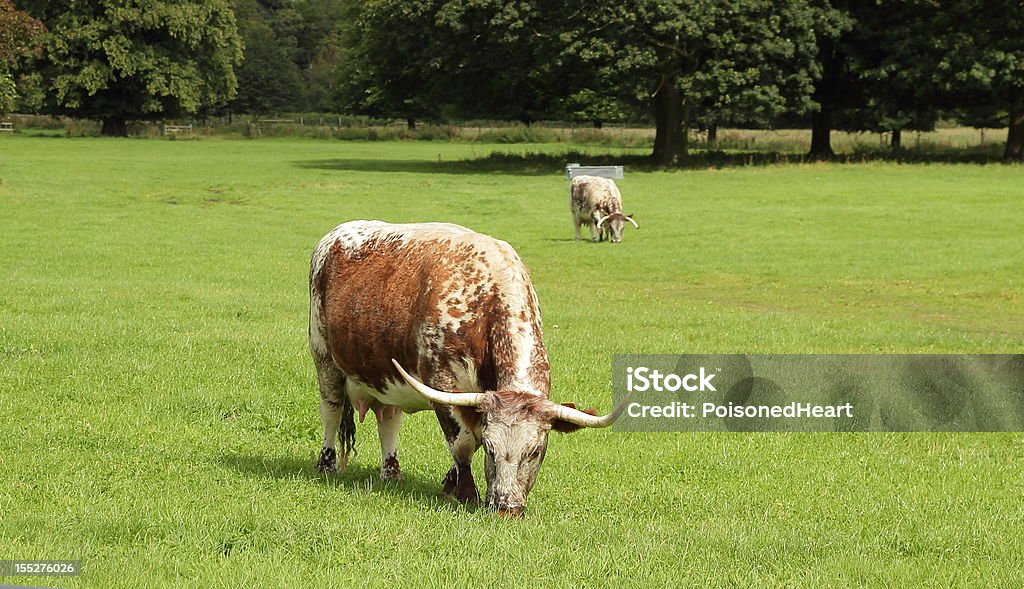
x=390, y=471
x=467, y=494
x=464, y=496
x=328, y=462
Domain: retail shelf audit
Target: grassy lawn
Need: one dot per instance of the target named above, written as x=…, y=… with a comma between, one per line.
x=158, y=408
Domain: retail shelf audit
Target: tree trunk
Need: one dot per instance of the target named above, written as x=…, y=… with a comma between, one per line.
x=672, y=122
x=114, y=127
x=712, y=134
x=821, y=133
x=410, y=123
x=897, y=139
x=598, y=124
x=828, y=95
x=1015, y=137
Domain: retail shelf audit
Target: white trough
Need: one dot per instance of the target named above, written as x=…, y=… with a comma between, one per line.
x=573, y=170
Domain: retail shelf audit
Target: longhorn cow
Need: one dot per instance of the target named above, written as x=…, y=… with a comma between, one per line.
x=597, y=203
x=434, y=316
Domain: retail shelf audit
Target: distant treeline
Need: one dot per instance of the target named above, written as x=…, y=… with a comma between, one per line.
x=887, y=67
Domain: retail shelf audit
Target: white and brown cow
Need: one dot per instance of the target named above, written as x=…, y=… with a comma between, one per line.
x=458, y=311
x=597, y=203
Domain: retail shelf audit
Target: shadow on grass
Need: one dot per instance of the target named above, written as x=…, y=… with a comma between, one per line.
x=529, y=164
x=356, y=478
x=542, y=164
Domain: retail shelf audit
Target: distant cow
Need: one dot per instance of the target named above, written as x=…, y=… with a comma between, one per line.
x=458, y=311
x=597, y=203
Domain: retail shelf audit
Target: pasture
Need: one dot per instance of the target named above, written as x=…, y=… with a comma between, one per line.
x=159, y=407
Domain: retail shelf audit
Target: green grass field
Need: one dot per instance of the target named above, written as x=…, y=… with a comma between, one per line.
x=158, y=408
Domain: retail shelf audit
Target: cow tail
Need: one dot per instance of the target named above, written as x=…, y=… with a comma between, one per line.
x=347, y=431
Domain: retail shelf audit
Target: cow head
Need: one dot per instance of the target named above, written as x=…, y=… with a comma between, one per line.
x=615, y=221
x=515, y=428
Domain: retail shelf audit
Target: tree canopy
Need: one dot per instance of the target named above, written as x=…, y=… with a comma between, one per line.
x=269, y=80
x=119, y=61
x=878, y=66
x=732, y=61
x=722, y=61
x=19, y=36
x=980, y=64
x=386, y=67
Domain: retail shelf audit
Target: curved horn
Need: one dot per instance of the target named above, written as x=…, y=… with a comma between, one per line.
x=587, y=420
x=602, y=220
x=630, y=219
x=460, y=399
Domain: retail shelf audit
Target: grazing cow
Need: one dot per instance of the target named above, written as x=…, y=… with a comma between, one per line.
x=457, y=310
x=597, y=203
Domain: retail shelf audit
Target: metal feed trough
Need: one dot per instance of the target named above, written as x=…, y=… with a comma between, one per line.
x=573, y=170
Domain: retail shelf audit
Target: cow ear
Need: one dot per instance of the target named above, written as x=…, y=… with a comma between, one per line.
x=566, y=427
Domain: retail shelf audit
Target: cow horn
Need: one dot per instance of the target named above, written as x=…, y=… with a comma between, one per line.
x=460, y=399
x=602, y=220
x=630, y=219
x=587, y=420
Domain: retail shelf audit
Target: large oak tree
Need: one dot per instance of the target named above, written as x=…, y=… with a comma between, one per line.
x=118, y=61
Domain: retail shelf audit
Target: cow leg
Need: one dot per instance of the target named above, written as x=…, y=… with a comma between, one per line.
x=458, y=483
x=336, y=416
x=389, y=421
x=330, y=415
x=575, y=212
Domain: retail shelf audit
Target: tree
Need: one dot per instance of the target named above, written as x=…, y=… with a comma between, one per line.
x=19, y=36
x=879, y=77
x=320, y=75
x=386, y=60
x=419, y=59
x=507, y=58
x=119, y=61
x=895, y=71
x=834, y=86
x=773, y=74
x=318, y=48
x=721, y=60
x=586, y=104
x=19, y=33
x=523, y=60
x=269, y=81
x=981, y=61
